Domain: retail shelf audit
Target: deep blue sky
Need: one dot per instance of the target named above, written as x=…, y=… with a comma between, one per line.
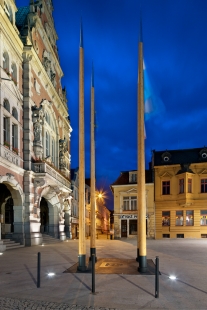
x=175, y=53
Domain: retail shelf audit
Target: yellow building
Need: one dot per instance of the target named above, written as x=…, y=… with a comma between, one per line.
x=180, y=182
x=125, y=205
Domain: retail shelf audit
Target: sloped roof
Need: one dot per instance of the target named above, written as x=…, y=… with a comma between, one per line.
x=123, y=179
x=21, y=16
x=185, y=156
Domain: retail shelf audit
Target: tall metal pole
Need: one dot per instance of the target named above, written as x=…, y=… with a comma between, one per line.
x=93, y=186
x=82, y=240
x=141, y=239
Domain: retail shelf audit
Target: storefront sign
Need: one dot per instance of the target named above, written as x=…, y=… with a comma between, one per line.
x=131, y=216
x=75, y=221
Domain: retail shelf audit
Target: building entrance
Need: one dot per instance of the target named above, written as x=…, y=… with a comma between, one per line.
x=44, y=216
x=6, y=209
x=133, y=227
x=123, y=228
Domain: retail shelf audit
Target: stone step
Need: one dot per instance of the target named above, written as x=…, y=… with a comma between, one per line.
x=10, y=244
x=47, y=239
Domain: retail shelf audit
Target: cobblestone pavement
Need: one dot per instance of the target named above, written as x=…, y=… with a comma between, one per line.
x=26, y=304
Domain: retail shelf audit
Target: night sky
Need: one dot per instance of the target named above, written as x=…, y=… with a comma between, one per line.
x=175, y=56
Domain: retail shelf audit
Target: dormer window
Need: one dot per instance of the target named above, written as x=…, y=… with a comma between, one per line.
x=204, y=155
x=166, y=156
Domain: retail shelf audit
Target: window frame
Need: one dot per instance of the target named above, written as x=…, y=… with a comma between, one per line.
x=166, y=187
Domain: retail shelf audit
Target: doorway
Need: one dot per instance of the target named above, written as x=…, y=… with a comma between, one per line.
x=123, y=228
x=44, y=216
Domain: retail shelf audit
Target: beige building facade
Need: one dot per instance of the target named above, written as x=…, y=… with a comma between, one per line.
x=125, y=205
x=180, y=180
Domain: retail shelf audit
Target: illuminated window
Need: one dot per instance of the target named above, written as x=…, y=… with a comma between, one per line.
x=179, y=218
x=189, y=185
x=189, y=218
x=165, y=218
x=204, y=186
x=203, y=215
x=166, y=187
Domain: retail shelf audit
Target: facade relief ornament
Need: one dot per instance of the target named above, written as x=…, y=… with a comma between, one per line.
x=38, y=121
x=62, y=151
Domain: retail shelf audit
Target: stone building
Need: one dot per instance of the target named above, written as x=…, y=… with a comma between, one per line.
x=180, y=180
x=35, y=187
x=125, y=205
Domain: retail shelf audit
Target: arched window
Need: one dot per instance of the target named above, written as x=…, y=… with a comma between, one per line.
x=14, y=72
x=47, y=118
x=6, y=105
x=6, y=62
x=14, y=113
x=6, y=125
x=8, y=11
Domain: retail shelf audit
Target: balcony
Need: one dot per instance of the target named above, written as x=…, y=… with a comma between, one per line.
x=53, y=175
x=10, y=155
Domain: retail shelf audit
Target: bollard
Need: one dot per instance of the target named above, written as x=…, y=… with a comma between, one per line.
x=157, y=277
x=93, y=259
x=38, y=269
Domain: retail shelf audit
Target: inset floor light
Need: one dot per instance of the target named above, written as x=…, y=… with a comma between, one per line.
x=51, y=274
x=172, y=277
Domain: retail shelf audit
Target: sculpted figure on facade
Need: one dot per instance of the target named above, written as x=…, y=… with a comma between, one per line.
x=62, y=151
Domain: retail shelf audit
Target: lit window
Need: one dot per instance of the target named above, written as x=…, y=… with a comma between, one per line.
x=165, y=218
x=189, y=185
x=179, y=218
x=189, y=218
x=204, y=186
x=181, y=186
x=203, y=215
x=166, y=187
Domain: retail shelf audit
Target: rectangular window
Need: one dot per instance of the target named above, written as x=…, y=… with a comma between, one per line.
x=189, y=185
x=189, y=218
x=179, y=218
x=133, y=203
x=204, y=186
x=165, y=218
x=53, y=151
x=126, y=203
x=47, y=144
x=166, y=187
x=6, y=131
x=203, y=215
x=181, y=186
x=130, y=203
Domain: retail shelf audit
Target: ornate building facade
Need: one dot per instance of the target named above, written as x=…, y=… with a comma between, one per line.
x=180, y=180
x=35, y=182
